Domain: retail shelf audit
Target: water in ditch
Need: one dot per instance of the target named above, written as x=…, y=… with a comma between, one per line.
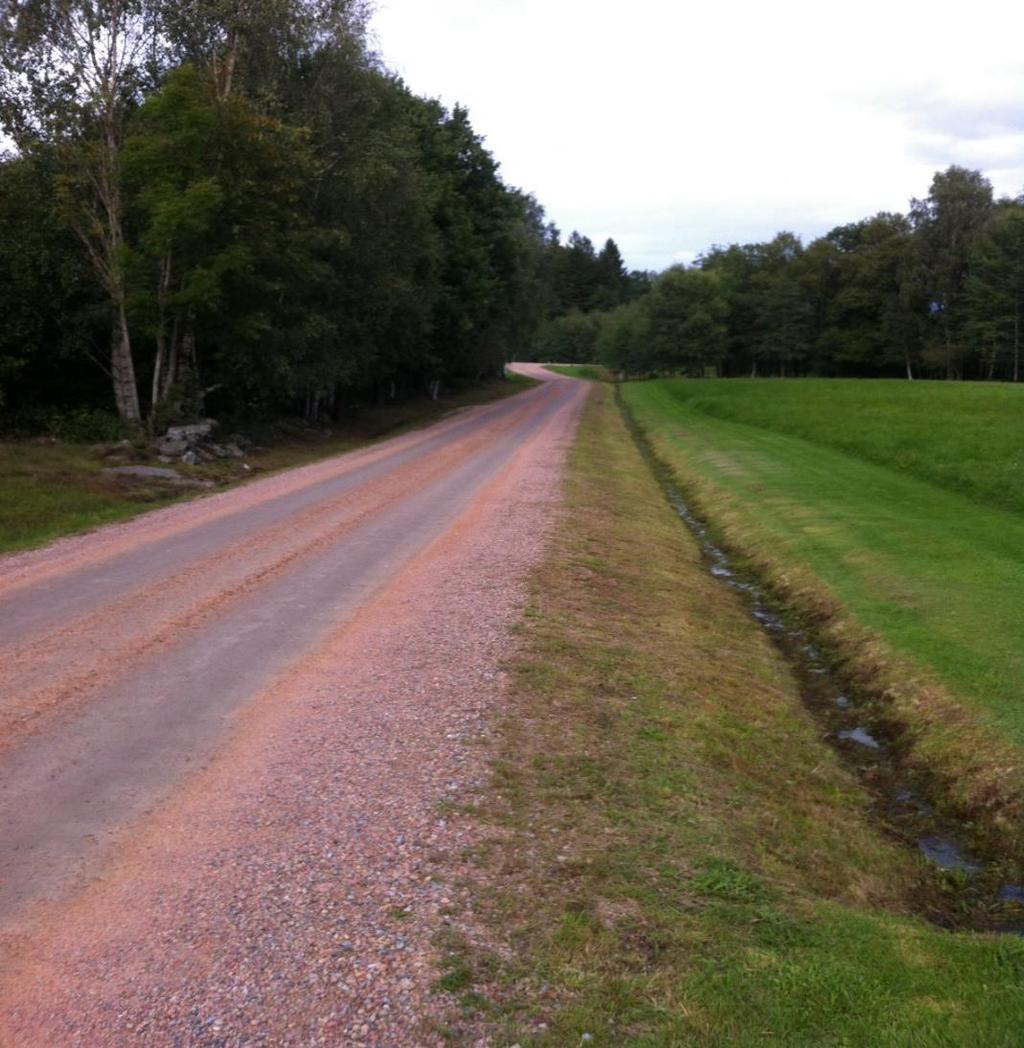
x=968, y=891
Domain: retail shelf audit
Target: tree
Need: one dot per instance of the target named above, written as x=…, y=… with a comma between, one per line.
x=69, y=72
x=252, y=46
x=611, y=284
x=686, y=312
x=782, y=309
x=995, y=288
x=223, y=244
x=624, y=343
x=947, y=225
x=568, y=339
x=50, y=306
x=872, y=319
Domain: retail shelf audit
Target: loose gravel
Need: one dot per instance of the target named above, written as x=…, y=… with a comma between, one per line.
x=290, y=892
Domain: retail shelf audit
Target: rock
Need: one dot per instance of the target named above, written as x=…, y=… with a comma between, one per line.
x=190, y=458
x=172, y=448
x=103, y=451
x=233, y=451
x=192, y=433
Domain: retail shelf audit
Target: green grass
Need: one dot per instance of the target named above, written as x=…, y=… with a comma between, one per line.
x=938, y=576
x=52, y=489
x=49, y=490
x=678, y=857
x=967, y=437
x=591, y=372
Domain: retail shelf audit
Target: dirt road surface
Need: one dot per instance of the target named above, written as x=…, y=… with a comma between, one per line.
x=229, y=730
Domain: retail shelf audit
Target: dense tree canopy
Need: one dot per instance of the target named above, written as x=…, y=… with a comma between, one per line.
x=938, y=292
x=234, y=208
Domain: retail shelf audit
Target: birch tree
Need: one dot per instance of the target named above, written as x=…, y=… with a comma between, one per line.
x=69, y=72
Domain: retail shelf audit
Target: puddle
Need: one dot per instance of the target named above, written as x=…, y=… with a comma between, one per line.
x=948, y=855
x=861, y=736
x=900, y=801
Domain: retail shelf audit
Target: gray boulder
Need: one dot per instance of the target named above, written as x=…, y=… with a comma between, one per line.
x=172, y=448
x=193, y=433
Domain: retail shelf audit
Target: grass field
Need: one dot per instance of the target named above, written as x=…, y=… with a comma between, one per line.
x=52, y=489
x=935, y=577
x=967, y=437
x=679, y=858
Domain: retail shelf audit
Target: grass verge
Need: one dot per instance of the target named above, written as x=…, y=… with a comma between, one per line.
x=592, y=372
x=675, y=856
x=50, y=489
x=916, y=590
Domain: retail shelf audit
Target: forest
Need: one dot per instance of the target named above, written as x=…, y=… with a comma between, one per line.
x=937, y=292
x=236, y=209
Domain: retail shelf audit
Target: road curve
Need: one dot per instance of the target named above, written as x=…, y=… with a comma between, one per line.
x=154, y=674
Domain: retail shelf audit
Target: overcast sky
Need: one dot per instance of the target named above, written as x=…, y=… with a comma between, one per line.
x=674, y=125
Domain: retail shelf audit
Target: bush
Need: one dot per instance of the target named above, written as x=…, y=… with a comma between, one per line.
x=84, y=426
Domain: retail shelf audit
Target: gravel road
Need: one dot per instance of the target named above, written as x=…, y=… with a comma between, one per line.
x=229, y=730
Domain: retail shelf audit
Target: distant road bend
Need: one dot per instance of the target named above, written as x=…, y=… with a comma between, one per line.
x=129, y=658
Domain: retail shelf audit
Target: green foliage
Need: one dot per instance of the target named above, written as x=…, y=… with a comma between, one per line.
x=569, y=339
x=936, y=292
x=284, y=226
x=85, y=426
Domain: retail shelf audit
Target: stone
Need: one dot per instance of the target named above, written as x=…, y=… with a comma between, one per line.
x=195, y=431
x=172, y=448
x=103, y=451
x=190, y=458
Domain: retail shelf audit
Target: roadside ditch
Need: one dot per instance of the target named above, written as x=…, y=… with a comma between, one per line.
x=963, y=886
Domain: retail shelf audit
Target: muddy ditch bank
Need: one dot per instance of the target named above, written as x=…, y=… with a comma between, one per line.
x=964, y=884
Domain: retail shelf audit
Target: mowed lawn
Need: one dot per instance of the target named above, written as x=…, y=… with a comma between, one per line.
x=964, y=436
x=895, y=495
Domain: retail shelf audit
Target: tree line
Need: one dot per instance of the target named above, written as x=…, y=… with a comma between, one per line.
x=937, y=292
x=218, y=206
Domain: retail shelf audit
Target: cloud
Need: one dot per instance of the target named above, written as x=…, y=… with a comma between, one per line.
x=676, y=126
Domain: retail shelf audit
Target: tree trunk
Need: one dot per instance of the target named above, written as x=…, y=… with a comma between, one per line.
x=160, y=384
x=171, y=374
x=126, y=393
x=226, y=66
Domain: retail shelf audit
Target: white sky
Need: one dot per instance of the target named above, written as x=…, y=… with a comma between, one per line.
x=672, y=126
